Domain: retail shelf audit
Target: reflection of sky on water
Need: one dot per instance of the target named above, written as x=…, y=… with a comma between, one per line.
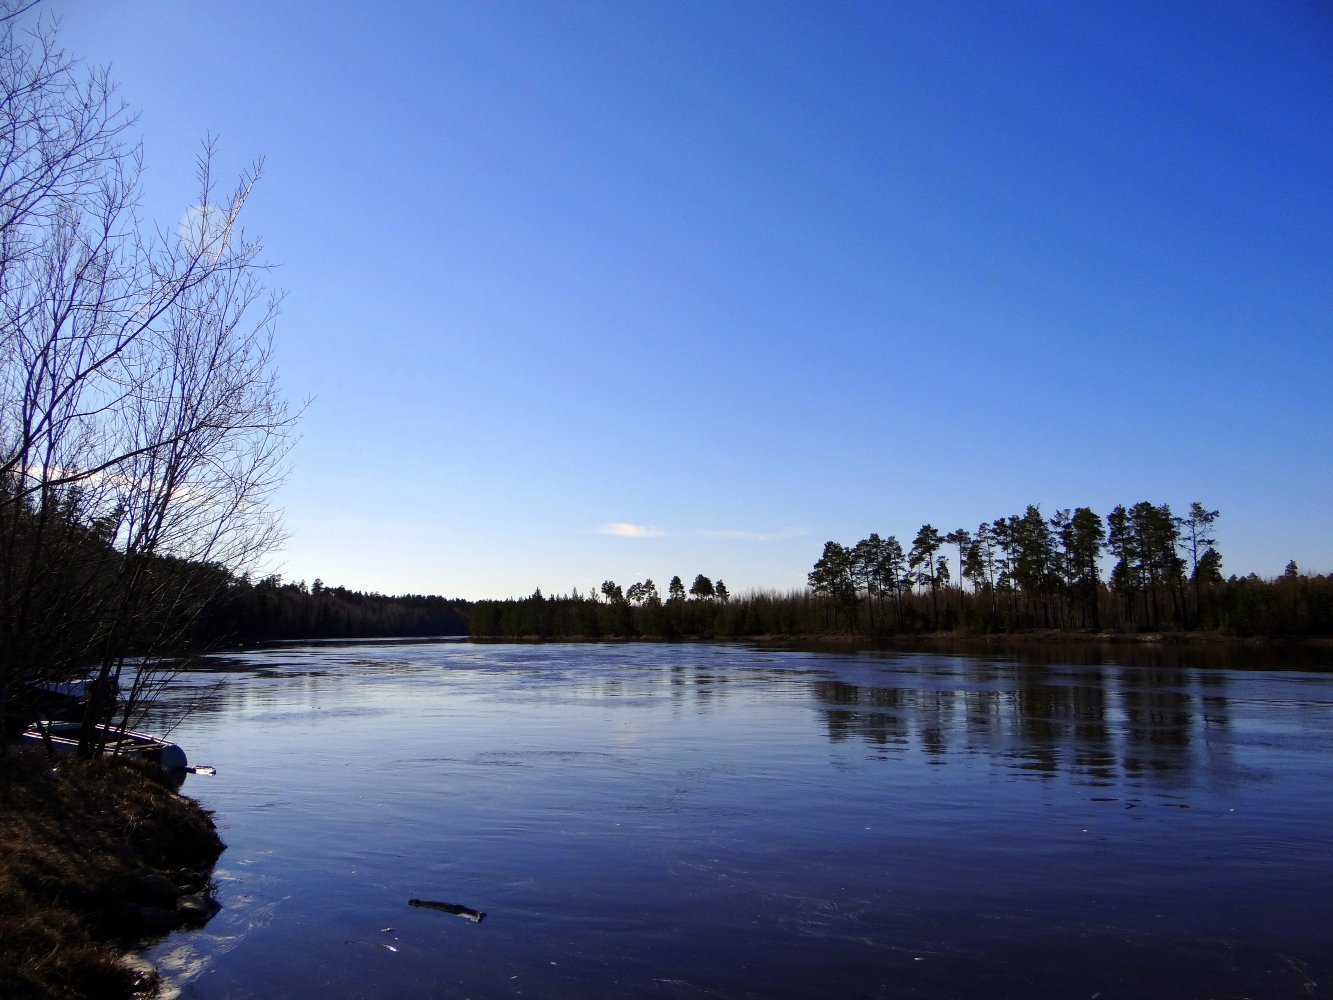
x=758, y=822
x=1096, y=722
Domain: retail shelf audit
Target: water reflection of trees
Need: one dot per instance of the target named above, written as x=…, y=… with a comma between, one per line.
x=698, y=684
x=880, y=721
x=1093, y=722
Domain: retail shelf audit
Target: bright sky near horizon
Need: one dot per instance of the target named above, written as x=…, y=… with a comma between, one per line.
x=621, y=290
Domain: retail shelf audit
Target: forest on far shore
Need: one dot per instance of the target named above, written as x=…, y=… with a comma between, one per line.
x=1293, y=606
x=268, y=610
x=1021, y=573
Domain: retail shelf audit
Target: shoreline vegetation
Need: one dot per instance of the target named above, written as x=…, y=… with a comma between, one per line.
x=1021, y=575
x=242, y=613
x=1017, y=575
x=1291, y=609
x=1294, y=607
x=96, y=858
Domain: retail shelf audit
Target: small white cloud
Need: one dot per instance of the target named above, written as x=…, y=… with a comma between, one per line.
x=205, y=230
x=622, y=530
x=782, y=535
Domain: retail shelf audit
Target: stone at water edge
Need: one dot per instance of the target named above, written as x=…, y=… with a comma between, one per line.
x=197, y=906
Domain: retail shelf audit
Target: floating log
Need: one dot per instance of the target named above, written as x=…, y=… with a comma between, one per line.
x=466, y=912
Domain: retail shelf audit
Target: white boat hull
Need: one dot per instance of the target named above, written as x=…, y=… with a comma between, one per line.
x=64, y=738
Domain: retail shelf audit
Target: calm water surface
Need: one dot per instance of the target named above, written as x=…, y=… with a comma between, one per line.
x=721, y=821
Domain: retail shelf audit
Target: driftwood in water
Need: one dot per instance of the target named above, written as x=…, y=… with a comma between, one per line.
x=476, y=916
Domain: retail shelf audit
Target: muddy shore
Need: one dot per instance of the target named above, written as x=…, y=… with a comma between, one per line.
x=96, y=858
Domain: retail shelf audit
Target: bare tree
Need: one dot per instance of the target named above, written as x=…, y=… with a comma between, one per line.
x=142, y=430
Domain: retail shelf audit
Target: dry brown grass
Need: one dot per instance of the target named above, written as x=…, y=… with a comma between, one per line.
x=73, y=836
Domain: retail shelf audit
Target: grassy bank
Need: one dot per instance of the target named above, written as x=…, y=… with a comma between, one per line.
x=95, y=857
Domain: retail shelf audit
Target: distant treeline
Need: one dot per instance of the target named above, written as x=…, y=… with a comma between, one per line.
x=843, y=597
x=1292, y=606
x=270, y=609
x=1018, y=573
x=594, y=616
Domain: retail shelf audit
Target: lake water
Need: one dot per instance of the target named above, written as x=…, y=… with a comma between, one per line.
x=727, y=821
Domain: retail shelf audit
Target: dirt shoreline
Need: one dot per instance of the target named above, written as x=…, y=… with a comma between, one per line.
x=96, y=859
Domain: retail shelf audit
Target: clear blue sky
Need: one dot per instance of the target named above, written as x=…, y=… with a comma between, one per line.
x=624, y=290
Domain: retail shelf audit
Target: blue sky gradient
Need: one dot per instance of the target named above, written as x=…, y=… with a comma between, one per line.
x=624, y=290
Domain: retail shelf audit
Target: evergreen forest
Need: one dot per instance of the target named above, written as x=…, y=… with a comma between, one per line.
x=1141, y=569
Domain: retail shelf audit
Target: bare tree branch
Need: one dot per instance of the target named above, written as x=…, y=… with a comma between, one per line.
x=142, y=428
